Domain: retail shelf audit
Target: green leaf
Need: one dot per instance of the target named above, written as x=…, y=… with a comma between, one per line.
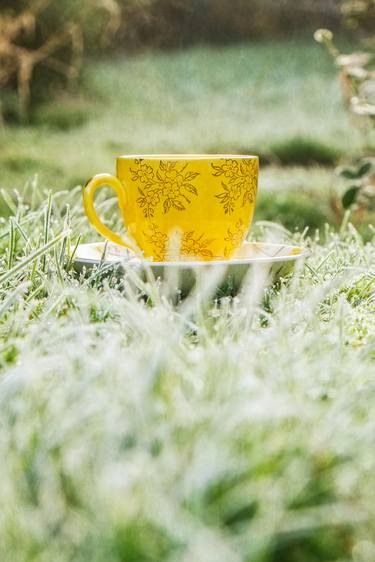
x=349, y=173
x=350, y=196
x=364, y=169
x=356, y=173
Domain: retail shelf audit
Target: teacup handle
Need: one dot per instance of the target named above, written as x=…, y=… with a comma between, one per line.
x=89, y=190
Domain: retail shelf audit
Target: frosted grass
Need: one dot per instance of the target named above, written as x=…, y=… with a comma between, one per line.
x=134, y=429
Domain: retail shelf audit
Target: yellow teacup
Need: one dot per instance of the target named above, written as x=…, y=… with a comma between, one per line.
x=180, y=206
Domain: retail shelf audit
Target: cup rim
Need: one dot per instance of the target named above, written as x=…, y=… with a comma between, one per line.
x=188, y=157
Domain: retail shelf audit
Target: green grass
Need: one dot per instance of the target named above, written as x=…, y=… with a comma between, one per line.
x=132, y=429
x=245, y=98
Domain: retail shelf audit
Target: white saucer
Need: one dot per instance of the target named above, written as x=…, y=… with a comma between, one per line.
x=278, y=259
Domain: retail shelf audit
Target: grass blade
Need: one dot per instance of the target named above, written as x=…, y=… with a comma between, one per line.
x=12, y=296
x=46, y=226
x=71, y=258
x=9, y=201
x=12, y=244
x=40, y=252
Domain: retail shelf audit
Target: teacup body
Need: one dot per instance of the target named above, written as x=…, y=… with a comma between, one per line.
x=182, y=206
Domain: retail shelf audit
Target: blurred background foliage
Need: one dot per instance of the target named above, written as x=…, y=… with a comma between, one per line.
x=173, y=23
x=43, y=42
x=360, y=16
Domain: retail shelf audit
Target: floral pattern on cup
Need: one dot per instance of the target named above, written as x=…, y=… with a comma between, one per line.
x=191, y=245
x=240, y=183
x=170, y=185
x=235, y=237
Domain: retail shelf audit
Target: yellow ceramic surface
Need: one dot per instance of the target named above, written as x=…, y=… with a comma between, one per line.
x=180, y=206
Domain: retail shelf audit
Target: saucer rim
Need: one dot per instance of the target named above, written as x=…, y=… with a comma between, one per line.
x=304, y=253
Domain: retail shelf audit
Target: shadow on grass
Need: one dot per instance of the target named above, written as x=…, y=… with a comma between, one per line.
x=304, y=151
x=62, y=116
x=293, y=151
x=20, y=163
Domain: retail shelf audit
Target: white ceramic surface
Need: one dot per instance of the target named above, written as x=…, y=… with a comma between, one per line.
x=249, y=253
x=277, y=260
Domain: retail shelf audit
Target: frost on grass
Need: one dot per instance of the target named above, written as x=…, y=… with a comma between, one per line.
x=132, y=429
